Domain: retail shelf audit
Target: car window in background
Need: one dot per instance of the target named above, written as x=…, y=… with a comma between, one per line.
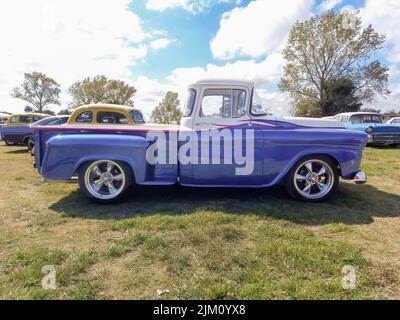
x=111, y=118
x=189, y=105
x=13, y=120
x=369, y=118
x=36, y=118
x=85, y=117
x=137, y=117
x=57, y=122
x=24, y=119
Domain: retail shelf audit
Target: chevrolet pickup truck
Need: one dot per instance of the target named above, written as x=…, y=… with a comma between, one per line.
x=227, y=138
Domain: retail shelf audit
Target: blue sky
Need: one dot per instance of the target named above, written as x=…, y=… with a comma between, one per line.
x=160, y=45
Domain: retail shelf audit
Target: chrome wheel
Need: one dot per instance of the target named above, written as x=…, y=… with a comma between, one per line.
x=314, y=179
x=105, y=179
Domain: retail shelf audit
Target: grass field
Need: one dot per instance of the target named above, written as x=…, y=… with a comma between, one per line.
x=199, y=243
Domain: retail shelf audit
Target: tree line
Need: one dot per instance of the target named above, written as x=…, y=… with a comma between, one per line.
x=41, y=92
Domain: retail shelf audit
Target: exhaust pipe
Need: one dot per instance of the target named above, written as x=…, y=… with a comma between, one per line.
x=360, y=177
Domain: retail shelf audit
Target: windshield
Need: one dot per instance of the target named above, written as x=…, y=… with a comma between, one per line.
x=258, y=107
x=366, y=118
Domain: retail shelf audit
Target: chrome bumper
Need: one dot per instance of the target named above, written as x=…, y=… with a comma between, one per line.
x=360, y=177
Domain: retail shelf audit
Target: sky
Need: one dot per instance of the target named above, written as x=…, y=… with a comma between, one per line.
x=162, y=45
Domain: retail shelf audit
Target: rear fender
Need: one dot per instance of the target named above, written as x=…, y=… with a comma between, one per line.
x=65, y=154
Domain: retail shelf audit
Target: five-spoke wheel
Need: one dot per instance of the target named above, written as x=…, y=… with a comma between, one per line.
x=104, y=180
x=313, y=179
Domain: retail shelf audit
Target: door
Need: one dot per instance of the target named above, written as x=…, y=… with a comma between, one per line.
x=226, y=141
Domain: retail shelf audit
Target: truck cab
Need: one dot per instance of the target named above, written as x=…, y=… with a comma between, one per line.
x=228, y=137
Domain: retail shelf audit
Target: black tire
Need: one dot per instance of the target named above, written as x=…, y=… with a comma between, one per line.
x=10, y=144
x=30, y=143
x=330, y=179
x=86, y=186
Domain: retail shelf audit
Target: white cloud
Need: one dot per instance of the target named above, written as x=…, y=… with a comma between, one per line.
x=68, y=40
x=388, y=103
x=193, y=6
x=258, y=29
x=328, y=5
x=384, y=15
x=160, y=43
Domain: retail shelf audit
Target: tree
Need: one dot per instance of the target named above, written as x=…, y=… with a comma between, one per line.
x=369, y=109
x=64, y=112
x=168, y=112
x=322, y=51
x=39, y=90
x=100, y=89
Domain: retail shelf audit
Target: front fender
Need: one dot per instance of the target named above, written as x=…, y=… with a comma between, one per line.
x=64, y=154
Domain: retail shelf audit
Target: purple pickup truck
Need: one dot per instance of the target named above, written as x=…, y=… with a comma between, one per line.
x=227, y=138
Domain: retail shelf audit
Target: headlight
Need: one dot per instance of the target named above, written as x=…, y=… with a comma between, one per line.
x=369, y=130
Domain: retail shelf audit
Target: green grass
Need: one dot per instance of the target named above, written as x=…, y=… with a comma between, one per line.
x=199, y=243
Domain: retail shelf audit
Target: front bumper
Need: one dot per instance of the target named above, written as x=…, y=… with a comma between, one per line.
x=360, y=177
x=384, y=138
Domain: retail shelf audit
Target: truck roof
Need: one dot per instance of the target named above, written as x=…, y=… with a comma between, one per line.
x=225, y=82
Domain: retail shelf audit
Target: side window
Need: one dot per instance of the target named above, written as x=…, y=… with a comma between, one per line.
x=397, y=121
x=13, y=120
x=24, y=119
x=111, y=118
x=85, y=117
x=189, y=105
x=137, y=116
x=223, y=103
x=36, y=118
x=345, y=119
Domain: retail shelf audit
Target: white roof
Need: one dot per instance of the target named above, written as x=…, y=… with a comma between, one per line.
x=225, y=82
x=4, y=115
x=355, y=113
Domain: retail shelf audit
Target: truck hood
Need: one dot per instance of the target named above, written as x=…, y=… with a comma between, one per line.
x=312, y=122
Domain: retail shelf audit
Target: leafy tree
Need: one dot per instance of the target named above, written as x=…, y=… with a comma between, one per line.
x=64, y=112
x=100, y=89
x=307, y=108
x=39, y=90
x=168, y=112
x=322, y=51
x=369, y=109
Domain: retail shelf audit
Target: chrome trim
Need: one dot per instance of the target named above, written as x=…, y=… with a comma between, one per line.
x=360, y=177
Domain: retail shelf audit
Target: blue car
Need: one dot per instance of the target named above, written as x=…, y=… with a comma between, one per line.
x=379, y=133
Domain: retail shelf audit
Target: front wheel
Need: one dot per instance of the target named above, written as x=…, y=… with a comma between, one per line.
x=8, y=143
x=104, y=181
x=313, y=179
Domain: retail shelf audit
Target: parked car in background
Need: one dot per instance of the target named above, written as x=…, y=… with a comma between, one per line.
x=3, y=119
x=50, y=121
x=221, y=120
x=390, y=116
x=379, y=133
x=106, y=115
x=395, y=121
x=17, y=129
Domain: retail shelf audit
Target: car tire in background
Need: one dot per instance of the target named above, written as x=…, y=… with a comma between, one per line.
x=105, y=181
x=30, y=143
x=8, y=143
x=313, y=179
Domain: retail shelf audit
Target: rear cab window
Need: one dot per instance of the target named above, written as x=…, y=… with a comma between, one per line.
x=189, y=104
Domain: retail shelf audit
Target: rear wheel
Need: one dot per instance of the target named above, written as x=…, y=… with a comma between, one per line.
x=104, y=181
x=30, y=143
x=313, y=179
x=9, y=143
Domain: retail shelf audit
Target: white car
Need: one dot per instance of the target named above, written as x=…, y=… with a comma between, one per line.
x=395, y=121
